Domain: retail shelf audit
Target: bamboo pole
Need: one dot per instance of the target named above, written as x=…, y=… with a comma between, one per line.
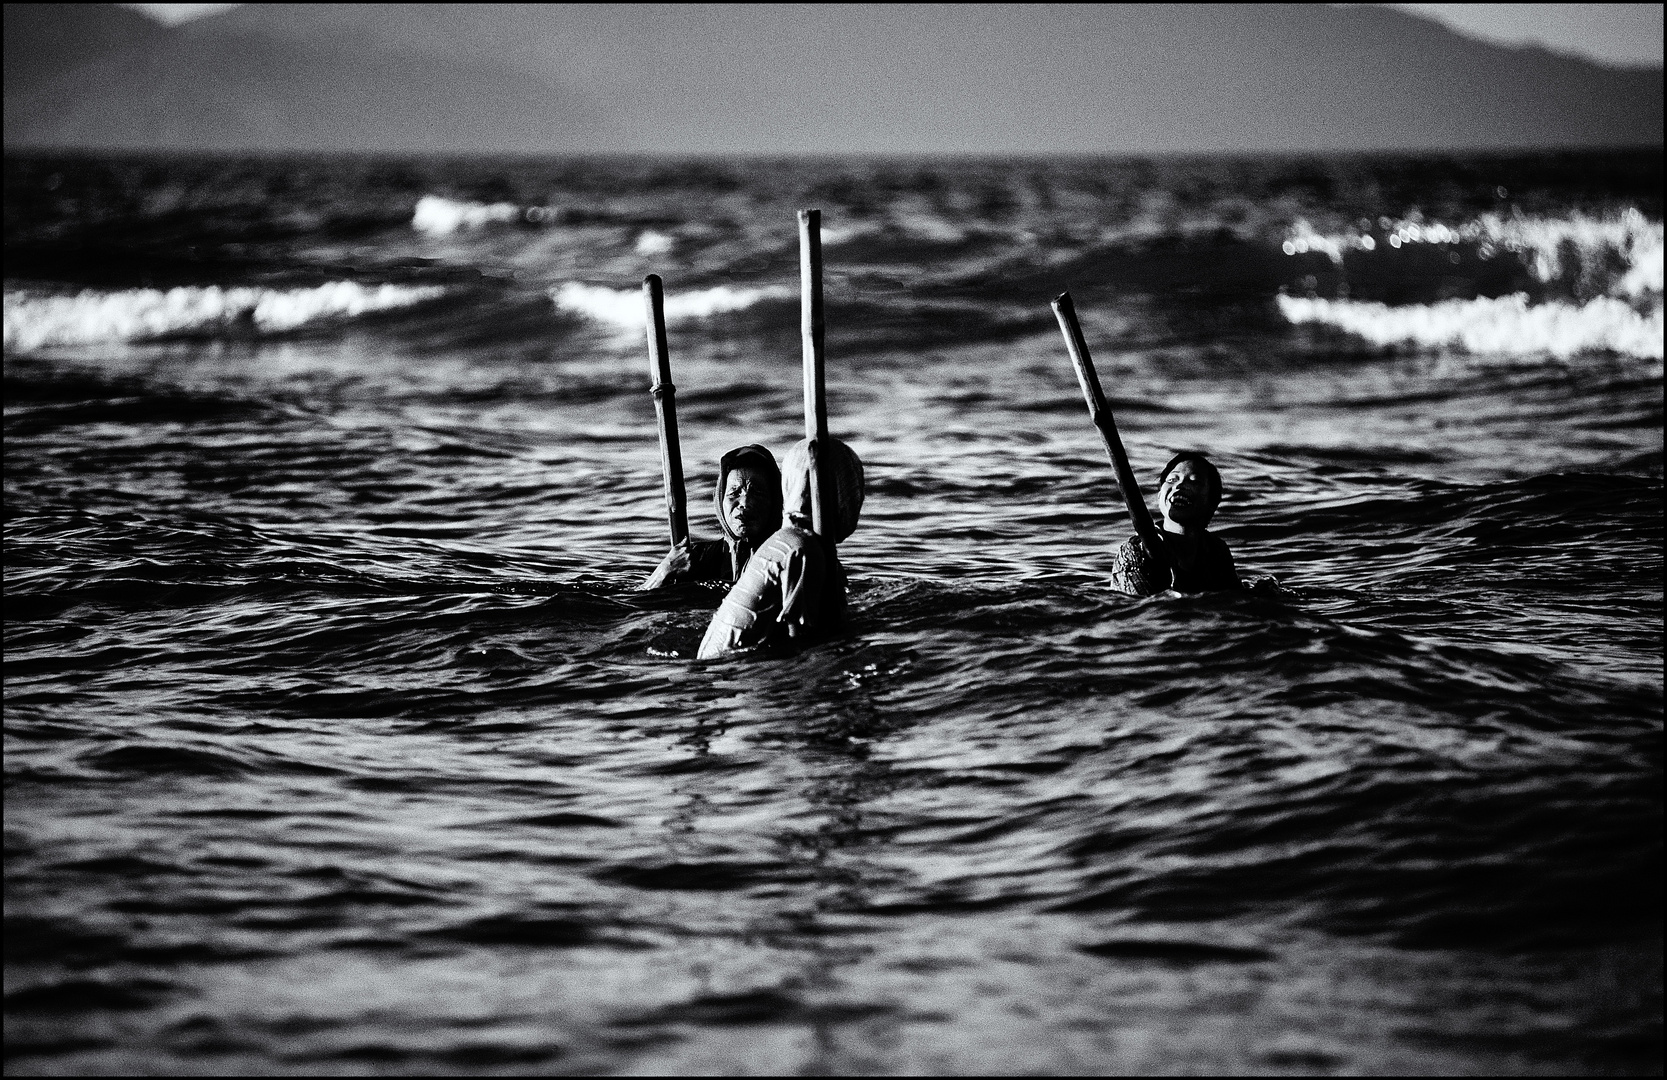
x=823, y=497
x=665, y=407
x=1100, y=413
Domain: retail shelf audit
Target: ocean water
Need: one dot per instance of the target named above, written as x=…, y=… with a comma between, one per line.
x=338, y=740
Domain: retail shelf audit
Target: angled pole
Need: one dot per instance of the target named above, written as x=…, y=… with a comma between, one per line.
x=823, y=498
x=1100, y=413
x=665, y=408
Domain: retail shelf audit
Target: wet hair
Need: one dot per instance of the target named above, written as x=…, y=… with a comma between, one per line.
x=1205, y=466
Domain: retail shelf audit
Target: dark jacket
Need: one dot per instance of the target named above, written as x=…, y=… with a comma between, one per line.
x=709, y=560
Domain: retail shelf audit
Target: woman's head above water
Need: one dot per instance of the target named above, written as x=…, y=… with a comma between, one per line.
x=1189, y=490
x=751, y=504
x=843, y=467
x=749, y=495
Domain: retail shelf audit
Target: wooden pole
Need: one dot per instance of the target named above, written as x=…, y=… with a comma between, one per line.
x=1100, y=413
x=823, y=497
x=665, y=408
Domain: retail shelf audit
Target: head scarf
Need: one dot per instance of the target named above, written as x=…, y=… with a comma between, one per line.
x=1204, y=465
x=751, y=456
x=848, y=483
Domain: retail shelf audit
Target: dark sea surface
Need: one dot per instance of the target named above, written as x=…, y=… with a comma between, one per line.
x=338, y=739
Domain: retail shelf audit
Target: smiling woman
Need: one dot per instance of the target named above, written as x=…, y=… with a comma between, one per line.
x=1193, y=559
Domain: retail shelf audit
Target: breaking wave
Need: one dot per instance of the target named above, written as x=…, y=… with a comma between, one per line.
x=438, y=216
x=1507, y=324
x=624, y=307
x=1608, y=270
x=1628, y=243
x=34, y=320
x=1623, y=251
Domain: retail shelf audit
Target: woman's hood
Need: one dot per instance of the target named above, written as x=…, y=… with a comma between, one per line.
x=846, y=472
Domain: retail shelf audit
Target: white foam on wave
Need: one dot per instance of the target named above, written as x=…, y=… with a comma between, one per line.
x=654, y=243
x=624, y=307
x=437, y=216
x=1547, y=244
x=1507, y=325
x=930, y=228
x=834, y=234
x=1301, y=238
x=34, y=320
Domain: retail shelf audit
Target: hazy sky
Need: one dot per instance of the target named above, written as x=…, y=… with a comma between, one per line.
x=1614, y=33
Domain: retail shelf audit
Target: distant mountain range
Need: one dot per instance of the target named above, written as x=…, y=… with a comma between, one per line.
x=799, y=79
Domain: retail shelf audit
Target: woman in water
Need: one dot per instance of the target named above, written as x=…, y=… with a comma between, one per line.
x=793, y=587
x=748, y=504
x=1192, y=558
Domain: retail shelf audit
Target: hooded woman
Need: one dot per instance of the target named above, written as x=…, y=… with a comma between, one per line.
x=748, y=504
x=793, y=587
x=1193, y=559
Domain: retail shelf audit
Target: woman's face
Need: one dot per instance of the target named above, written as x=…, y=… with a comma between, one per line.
x=752, y=505
x=1185, y=497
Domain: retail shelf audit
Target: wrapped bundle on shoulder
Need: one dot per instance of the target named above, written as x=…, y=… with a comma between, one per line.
x=1138, y=570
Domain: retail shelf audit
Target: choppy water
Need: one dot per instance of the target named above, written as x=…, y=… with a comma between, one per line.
x=337, y=739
